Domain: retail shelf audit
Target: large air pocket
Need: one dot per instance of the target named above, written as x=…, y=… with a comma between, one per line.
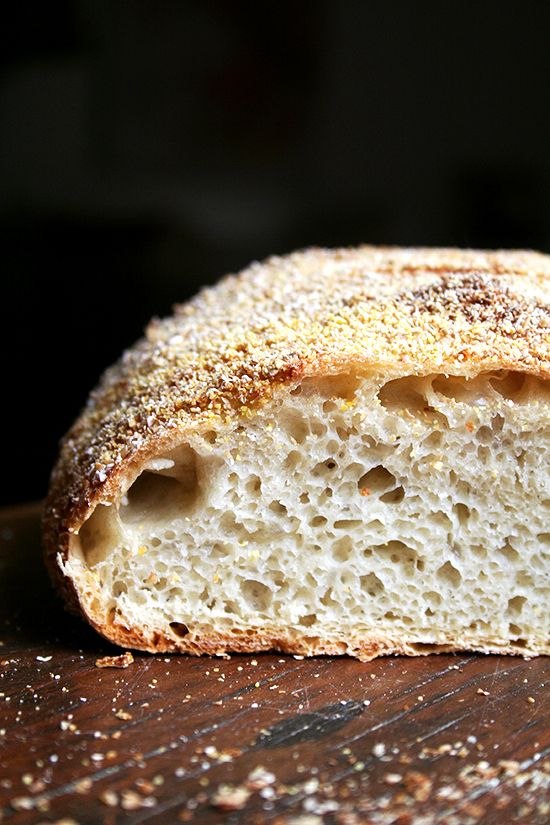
x=163, y=492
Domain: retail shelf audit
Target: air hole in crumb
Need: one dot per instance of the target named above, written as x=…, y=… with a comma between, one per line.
x=309, y=620
x=257, y=596
x=396, y=552
x=449, y=574
x=458, y=388
x=483, y=454
x=371, y=584
x=295, y=425
x=342, y=549
x=327, y=599
x=442, y=519
x=433, y=439
x=253, y=485
x=278, y=507
x=179, y=629
x=317, y=428
x=322, y=467
x=462, y=512
x=403, y=394
x=509, y=552
x=347, y=524
x=394, y=496
x=220, y=551
x=318, y=521
x=344, y=385
x=278, y=579
x=433, y=598
x=119, y=588
x=485, y=435
x=427, y=647
x=509, y=384
x=376, y=480
x=515, y=605
x=292, y=460
x=99, y=534
x=156, y=496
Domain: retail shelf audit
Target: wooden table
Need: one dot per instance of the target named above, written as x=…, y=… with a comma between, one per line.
x=443, y=739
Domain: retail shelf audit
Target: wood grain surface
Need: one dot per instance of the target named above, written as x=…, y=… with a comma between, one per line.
x=444, y=739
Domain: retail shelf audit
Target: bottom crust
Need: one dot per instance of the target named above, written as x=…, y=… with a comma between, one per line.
x=364, y=647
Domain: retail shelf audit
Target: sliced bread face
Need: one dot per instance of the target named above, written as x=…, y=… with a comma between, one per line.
x=361, y=505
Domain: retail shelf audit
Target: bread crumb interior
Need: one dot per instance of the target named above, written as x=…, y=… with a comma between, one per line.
x=418, y=508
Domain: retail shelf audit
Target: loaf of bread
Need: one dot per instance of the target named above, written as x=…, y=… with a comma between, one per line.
x=333, y=452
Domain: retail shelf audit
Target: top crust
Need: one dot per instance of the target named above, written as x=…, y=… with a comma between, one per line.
x=387, y=310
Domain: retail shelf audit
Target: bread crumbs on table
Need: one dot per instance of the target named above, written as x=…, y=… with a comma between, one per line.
x=123, y=660
x=392, y=778
x=230, y=797
x=109, y=798
x=419, y=785
x=132, y=801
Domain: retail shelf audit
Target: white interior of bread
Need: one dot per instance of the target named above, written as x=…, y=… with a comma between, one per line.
x=416, y=510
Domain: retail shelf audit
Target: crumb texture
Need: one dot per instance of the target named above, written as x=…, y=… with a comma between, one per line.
x=415, y=509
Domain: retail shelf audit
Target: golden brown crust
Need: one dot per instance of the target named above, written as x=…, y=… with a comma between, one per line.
x=394, y=311
x=205, y=641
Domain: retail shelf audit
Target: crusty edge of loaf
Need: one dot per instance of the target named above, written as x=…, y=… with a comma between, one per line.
x=64, y=514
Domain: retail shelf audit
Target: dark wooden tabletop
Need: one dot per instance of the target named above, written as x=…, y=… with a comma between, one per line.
x=269, y=738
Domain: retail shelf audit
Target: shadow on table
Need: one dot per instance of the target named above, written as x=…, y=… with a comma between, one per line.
x=31, y=612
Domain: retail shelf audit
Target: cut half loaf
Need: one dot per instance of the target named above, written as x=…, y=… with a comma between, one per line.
x=333, y=452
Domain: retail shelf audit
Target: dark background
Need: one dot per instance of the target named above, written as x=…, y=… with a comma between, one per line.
x=149, y=147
